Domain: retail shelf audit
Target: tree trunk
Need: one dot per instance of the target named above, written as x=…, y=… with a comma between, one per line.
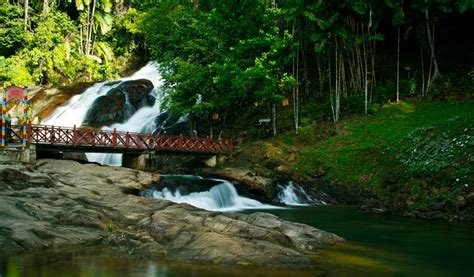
x=297, y=100
x=366, y=86
x=335, y=104
x=367, y=48
x=196, y=4
x=91, y=27
x=274, y=124
x=45, y=6
x=398, y=66
x=422, y=72
x=26, y=14
x=305, y=68
x=436, y=73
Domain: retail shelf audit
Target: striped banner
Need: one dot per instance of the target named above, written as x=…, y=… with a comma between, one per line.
x=25, y=117
x=4, y=121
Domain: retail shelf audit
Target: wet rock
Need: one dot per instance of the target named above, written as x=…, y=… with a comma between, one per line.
x=256, y=184
x=119, y=103
x=138, y=92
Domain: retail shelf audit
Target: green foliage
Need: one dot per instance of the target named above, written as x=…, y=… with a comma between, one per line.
x=219, y=56
x=53, y=49
x=12, y=35
x=353, y=104
x=110, y=228
x=126, y=35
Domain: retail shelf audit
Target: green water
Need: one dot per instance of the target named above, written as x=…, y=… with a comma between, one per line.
x=377, y=246
x=389, y=246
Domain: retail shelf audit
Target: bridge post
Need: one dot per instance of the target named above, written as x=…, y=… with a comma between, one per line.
x=16, y=155
x=127, y=140
x=51, y=137
x=146, y=161
x=74, y=135
x=114, y=138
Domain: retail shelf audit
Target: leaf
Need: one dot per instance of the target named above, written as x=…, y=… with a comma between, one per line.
x=310, y=16
x=465, y=5
x=106, y=5
x=105, y=22
x=79, y=5
x=358, y=8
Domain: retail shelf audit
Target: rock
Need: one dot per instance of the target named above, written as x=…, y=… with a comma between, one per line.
x=59, y=203
x=231, y=238
x=436, y=207
x=138, y=91
x=106, y=110
x=469, y=199
x=284, y=170
x=256, y=184
x=318, y=173
x=119, y=103
x=460, y=202
x=76, y=156
x=44, y=101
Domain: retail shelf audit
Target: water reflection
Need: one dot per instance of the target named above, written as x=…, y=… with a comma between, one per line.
x=105, y=262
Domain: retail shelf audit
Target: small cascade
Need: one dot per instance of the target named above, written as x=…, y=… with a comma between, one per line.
x=221, y=197
x=293, y=195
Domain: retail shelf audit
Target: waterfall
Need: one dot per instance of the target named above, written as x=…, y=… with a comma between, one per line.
x=293, y=195
x=143, y=121
x=221, y=197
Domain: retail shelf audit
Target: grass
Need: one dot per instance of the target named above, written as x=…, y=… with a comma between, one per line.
x=366, y=150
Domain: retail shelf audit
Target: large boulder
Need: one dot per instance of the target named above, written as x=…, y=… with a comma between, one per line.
x=120, y=102
x=58, y=203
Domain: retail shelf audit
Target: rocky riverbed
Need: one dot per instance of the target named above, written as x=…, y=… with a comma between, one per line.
x=59, y=203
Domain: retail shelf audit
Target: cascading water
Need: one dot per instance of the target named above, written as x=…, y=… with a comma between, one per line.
x=143, y=120
x=293, y=195
x=221, y=197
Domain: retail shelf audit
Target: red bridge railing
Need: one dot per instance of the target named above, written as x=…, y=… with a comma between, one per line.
x=89, y=138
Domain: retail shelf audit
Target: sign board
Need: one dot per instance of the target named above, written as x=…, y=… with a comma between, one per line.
x=264, y=121
x=15, y=92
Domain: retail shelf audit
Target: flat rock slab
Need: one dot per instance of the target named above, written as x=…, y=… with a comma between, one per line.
x=58, y=203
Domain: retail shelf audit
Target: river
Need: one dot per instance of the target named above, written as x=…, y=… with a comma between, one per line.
x=377, y=246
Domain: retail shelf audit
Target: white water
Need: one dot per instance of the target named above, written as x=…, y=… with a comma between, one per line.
x=221, y=197
x=143, y=120
x=293, y=195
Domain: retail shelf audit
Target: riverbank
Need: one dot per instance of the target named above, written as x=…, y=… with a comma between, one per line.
x=413, y=159
x=60, y=203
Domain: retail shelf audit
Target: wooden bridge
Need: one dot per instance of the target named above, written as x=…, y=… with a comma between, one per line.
x=112, y=141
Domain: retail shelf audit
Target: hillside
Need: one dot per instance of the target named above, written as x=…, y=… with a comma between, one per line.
x=414, y=158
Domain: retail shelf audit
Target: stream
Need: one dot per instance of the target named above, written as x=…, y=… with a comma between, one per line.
x=376, y=246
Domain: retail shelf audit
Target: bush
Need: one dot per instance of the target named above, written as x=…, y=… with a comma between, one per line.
x=353, y=104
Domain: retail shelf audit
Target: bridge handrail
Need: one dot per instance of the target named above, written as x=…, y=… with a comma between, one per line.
x=86, y=136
